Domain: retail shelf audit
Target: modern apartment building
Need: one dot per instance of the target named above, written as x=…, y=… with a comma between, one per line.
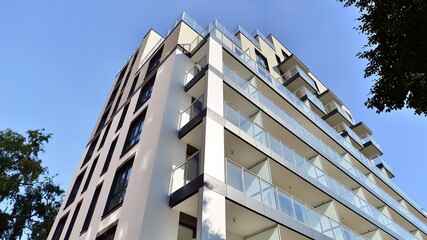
x=215, y=134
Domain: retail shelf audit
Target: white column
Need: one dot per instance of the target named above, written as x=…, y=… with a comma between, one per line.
x=211, y=222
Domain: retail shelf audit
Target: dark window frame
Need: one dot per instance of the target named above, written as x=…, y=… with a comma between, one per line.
x=89, y=175
x=75, y=189
x=145, y=92
x=73, y=220
x=91, y=209
x=134, y=132
x=118, y=188
x=154, y=61
x=60, y=227
x=90, y=151
x=122, y=117
x=109, y=155
x=262, y=60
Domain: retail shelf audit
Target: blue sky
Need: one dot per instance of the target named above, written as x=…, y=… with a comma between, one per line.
x=58, y=61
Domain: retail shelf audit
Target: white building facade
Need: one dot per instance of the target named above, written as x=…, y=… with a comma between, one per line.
x=215, y=134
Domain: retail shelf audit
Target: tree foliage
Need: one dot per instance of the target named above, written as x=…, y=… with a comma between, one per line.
x=29, y=199
x=396, y=52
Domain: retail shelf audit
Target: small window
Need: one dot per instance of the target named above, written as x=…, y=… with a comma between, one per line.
x=75, y=188
x=261, y=59
x=154, y=62
x=145, y=93
x=108, y=235
x=109, y=156
x=132, y=88
x=126, y=79
x=60, y=227
x=285, y=55
x=118, y=188
x=107, y=129
x=103, y=120
x=89, y=176
x=134, y=132
x=73, y=220
x=92, y=206
x=278, y=60
x=121, y=74
x=122, y=117
x=90, y=151
x=113, y=96
x=117, y=104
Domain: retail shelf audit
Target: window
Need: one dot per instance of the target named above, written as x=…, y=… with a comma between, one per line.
x=145, y=93
x=60, y=227
x=113, y=96
x=73, y=220
x=103, y=120
x=132, y=88
x=109, y=156
x=261, y=59
x=91, y=208
x=285, y=55
x=122, y=117
x=107, y=129
x=89, y=175
x=122, y=73
x=187, y=227
x=130, y=70
x=278, y=60
x=90, y=151
x=108, y=235
x=154, y=62
x=134, y=132
x=118, y=188
x=75, y=188
x=117, y=104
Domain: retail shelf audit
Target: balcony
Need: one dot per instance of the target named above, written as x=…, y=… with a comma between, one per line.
x=185, y=172
x=296, y=78
x=371, y=149
x=241, y=180
x=189, y=126
x=252, y=133
x=336, y=115
x=315, y=104
x=383, y=165
x=290, y=62
x=234, y=49
x=345, y=131
x=361, y=129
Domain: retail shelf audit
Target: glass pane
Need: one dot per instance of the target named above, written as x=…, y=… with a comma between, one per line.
x=246, y=125
x=231, y=115
x=300, y=212
x=234, y=176
x=252, y=187
x=313, y=216
x=286, y=205
x=268, y=195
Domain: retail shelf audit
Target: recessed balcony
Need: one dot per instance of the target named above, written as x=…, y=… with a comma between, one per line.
x=383, y=165
x=361, y=129
x=314, y=103
x=336, y=115
x=371, y=149
x=295, y=78
x=345, y=131
x=290, y=62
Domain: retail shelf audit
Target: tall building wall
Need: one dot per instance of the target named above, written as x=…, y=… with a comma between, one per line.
x=214, y=134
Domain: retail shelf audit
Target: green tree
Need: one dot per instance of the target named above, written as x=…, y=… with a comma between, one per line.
x=396, y=52
x=29, y=199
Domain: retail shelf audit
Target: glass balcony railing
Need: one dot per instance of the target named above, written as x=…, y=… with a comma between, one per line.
x=275, y=198
x=257, y=32
x=303, y=91
x=379, y=160
x=343, y=127
x=247, y=35
x=285, y=153
x=297, y=70
x=370, y=139
x=303, y=133
x=185, y=172
x=234, y=47
x=194, y=70
x=190, y=112
x=333, y=105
